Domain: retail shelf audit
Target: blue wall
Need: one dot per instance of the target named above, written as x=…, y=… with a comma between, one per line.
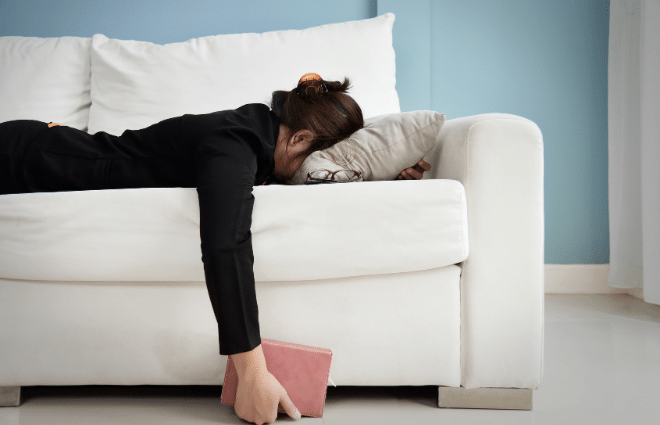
x=546, y=61
x=543, y=60
x=168, y=21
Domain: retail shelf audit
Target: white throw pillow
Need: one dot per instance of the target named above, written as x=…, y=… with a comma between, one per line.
x=136, y=83
x=45, y=79
x=386, y=145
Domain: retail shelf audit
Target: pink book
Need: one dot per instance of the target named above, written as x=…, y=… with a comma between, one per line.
x=302, y=370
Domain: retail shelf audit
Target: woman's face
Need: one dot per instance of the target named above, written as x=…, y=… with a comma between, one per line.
x=287, y=149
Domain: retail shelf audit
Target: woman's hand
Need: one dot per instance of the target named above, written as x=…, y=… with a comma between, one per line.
x=258, y=395
x=414, y=172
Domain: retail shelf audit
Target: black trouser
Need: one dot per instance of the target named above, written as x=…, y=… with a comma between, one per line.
x=14, y=139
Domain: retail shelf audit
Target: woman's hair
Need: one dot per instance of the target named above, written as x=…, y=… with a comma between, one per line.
x=322, y=107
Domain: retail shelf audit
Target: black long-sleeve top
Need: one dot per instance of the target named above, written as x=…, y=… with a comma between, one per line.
x=223, y=154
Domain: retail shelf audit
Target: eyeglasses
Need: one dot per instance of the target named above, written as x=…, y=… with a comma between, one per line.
x=337, y=176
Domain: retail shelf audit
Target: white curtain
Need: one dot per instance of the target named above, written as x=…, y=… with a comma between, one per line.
x=634, y=146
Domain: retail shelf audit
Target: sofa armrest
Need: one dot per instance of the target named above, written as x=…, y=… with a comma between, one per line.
x=499, y=160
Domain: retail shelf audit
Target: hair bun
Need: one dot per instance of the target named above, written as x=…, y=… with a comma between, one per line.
x=311, y=85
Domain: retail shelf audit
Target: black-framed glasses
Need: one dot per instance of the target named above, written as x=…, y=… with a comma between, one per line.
x=337, y=176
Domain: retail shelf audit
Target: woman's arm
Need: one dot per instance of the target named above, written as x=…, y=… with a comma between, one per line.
x=226, y=168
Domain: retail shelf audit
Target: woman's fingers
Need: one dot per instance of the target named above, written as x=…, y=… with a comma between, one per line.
x=415, y=172
x=288, y=405
x=409, y=174
x=425, y=165
x=406, y=175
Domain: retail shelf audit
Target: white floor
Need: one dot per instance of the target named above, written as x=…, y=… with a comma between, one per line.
x=602, y=366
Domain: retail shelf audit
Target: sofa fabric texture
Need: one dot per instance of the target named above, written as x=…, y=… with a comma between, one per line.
x=160, y=333
x=45, y=79
x=298, y=232
x=499, y=160
x=137, y=83
x=378, y=271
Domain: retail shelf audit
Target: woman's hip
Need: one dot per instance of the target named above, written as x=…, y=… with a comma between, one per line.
x=15, y=137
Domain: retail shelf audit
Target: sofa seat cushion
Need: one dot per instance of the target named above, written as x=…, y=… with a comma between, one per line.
x=302, y=232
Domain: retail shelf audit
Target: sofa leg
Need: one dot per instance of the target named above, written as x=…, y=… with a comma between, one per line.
x=10, y=396
x=485, y=398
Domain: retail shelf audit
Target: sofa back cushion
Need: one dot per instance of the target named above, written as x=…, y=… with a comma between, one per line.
x=136, y=83
x=45, y=79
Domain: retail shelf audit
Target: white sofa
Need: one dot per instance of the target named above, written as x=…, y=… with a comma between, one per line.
x=436, y=281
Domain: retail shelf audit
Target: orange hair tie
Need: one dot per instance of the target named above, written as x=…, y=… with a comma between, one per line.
x=309, y=76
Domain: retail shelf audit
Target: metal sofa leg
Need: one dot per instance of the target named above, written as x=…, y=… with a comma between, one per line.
x=485, y=398
x=10, y=396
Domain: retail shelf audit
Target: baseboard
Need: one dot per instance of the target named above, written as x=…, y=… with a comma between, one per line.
x=636, y=292
x=579, y=279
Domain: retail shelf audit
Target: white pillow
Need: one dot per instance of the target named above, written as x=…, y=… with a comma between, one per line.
x=386, y=145
x=45, y=79
x=136, y=83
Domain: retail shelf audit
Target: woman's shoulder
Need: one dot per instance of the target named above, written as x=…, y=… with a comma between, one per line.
x=256, y=111
x=257, y=116
x=252, y=123
x=256, y=106
x=245, y=113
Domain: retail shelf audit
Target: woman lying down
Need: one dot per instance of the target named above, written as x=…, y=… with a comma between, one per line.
x=223, y=155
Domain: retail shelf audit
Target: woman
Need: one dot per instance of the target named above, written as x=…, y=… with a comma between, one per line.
x=223, y=155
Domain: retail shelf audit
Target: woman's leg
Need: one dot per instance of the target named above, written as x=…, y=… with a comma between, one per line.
x=14, y=138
